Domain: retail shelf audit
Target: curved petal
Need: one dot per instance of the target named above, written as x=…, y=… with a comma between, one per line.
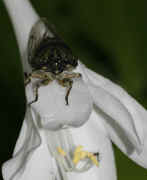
x=40, y=165
x=140, y=159
x=23, y=17
x=93, y=137
x=124, y=118
x=27, y=143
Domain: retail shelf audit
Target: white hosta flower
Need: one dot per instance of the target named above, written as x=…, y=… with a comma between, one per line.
x=73, y=142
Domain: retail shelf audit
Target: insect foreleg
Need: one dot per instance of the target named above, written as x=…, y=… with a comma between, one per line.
x=44, y=82
x=72, y=75
x=27, y=78
x=36, y=93
x=67, y=94
x=68, y=84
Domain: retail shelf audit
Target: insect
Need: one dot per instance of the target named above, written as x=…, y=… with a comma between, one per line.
x=50, y=59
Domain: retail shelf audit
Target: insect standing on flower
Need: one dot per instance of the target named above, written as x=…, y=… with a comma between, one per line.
x=50, y=59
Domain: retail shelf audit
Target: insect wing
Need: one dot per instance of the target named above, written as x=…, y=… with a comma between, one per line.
x=40, y=31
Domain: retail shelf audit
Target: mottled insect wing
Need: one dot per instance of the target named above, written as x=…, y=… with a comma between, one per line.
x=40, y=31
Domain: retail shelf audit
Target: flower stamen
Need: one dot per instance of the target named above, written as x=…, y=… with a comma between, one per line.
x=79, y=155
x=61, y=151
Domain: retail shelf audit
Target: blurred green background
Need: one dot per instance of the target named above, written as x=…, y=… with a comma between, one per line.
x=109, y=36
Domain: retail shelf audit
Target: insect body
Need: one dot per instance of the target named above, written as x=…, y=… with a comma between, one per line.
x=50, y=59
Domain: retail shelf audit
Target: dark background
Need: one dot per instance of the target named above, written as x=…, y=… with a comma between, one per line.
x=109, y=36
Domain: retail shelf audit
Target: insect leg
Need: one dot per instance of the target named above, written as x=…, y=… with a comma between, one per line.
x=36, y=93
x=44, y=82
x=66, y=82
x=27, y=78
x=72, y=75
x=67, y=94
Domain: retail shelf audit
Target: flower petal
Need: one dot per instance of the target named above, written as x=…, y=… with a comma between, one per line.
x=123, y=115
x=27, y=142
x=23, y=17
x=93, y=137
x=141, y=159
x=51, y=107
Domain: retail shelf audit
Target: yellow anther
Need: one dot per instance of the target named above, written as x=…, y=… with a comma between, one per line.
x=94, y=160
x=79, y=154
x=83, y=154
x=61, y=151
x=89, y=154
x=78, y=149
x=76, y=159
